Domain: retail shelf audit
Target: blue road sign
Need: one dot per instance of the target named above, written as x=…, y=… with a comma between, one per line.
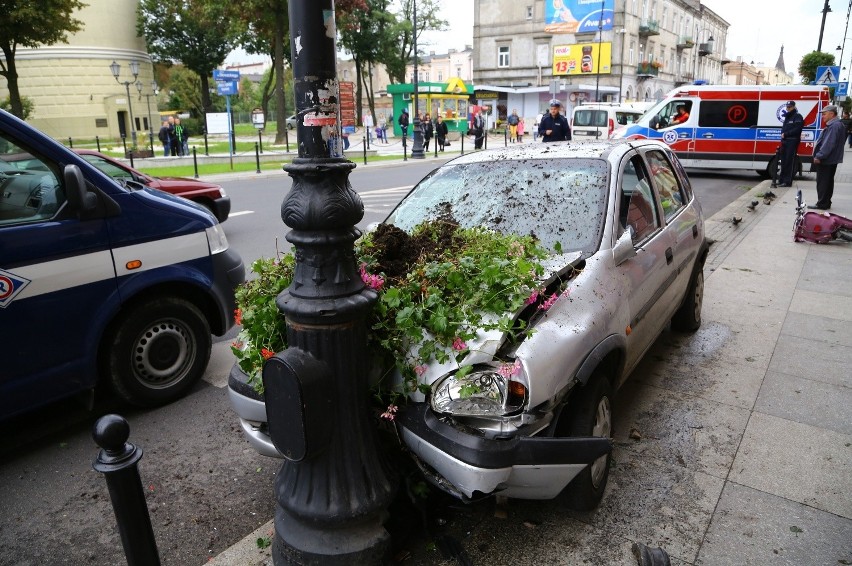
x=842, y=89
x=226, y=87
x=827, y=76
x=219, y=75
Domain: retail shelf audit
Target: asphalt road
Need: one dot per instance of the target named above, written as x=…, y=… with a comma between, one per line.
x=206, y=489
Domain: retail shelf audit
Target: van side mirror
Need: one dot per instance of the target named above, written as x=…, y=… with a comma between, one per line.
x=79, y=197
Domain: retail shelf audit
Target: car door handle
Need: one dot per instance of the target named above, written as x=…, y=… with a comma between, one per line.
x=669, y=255
x=708, y=135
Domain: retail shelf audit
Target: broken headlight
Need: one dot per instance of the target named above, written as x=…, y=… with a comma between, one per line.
x=483, y=392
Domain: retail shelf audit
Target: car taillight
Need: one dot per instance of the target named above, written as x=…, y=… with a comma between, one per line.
x=611, y=127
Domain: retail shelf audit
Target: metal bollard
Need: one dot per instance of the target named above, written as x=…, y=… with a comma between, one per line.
x=195, y=161
x=257, y=157
x=506, y=137
x=70, y=143
x=124, y=143
x=364, y=142
x=404, y=149
x=260, y=142
x=118, y=461
x=98, y=142
x=436, y=146
x=131, y=158
x=206, y=150
x=462, y=143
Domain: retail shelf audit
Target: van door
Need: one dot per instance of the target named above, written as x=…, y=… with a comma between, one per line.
x=54, y=271
x=726, y=132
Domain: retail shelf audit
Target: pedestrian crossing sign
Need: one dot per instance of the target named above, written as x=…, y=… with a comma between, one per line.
x=827, y=76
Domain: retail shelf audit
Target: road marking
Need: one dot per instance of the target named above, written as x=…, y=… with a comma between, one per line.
x=392, y=190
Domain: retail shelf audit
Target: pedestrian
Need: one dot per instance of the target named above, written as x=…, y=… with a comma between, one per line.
x=368, y=126
x=173, y=141
x=520, y=130
x=164, y=138
x=403, y=124
x=477, y=130
x=828, y=152
x=513, y=126
x=791, y=135
x=381, y=131
x=847, y=121
x=345, y=135
x=682, y=115
x=428, y=130
x=184, y=138
x=535, y=125
x=554, y=126
x=441, y=132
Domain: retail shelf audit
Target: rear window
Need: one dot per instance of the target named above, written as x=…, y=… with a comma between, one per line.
x=592, y=118
x=625, y=118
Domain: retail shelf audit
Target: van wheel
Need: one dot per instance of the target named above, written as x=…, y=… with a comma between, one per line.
x=158, y=351
x=688, y=316
x=589, y=413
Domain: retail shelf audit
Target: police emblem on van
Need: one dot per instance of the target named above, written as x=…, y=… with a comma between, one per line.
x=10, y=286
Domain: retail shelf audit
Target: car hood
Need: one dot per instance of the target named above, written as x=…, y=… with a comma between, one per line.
x=166, y=183
x=486, y=344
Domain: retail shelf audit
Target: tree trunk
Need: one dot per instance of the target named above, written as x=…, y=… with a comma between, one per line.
x=205, y=93
x=10, y=71
x=280, y=109
x=268, y=88
x=371, y=96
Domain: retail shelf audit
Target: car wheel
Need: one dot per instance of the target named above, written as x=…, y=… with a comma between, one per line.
x=289, y=126
x=158, y=351
x=688, y=316
x=590, y=414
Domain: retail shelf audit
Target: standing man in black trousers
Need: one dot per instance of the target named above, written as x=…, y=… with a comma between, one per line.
x=827, y=154
x=791, y=135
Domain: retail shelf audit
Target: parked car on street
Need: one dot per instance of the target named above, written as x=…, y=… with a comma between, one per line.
x=292, y=122
x=628, y=242
x=209, y=195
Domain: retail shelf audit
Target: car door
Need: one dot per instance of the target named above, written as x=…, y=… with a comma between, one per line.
x=55, y=270
x=648, y=274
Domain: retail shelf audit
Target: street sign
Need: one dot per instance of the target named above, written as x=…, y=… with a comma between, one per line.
x=827, y=76
x=842, y=89
x=226, y=88
x=219, y=75
x=257, y=118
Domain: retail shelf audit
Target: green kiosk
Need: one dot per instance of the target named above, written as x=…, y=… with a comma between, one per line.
x=449, y=100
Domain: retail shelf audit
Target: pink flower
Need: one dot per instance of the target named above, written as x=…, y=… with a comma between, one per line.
x=374, y=282
x=549, y=302
x=508, y=370
x=237, y=344
x=458, y=344
x=532, y=298
x=390, y=413
x=420, y=370
x=516, y=249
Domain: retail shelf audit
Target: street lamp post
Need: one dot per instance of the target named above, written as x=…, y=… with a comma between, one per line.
x=417, y=148
x=333, y=487
x=598, y=64
x=116, y=71
x=155, y=89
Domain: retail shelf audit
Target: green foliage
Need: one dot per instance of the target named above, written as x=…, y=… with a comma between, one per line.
x=810, y=62
x=428, y=314
x=26, y=106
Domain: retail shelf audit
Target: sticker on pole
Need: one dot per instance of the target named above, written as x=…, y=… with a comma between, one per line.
x=315, y=119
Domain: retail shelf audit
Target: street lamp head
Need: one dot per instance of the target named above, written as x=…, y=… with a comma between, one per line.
x=155, y=87
x=134, y=68
x=139, y=87
x=115, y=68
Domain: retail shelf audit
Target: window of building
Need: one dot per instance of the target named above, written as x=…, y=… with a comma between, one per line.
x=630, y=59
x=529, y=12
x=345, y=74
x=458, y=71
x=665, y=17
x=440, y=76
x=503, y=56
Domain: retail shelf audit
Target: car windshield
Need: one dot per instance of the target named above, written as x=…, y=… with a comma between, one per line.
x=562, y=202
x=112, y=170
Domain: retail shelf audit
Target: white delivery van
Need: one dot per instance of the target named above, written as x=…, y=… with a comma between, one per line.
x=732, y=127
x=599, y=121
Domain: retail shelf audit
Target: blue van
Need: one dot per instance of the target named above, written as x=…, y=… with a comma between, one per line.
x=101, y=282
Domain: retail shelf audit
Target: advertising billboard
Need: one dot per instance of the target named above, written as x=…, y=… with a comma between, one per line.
x=582, y=59
x=577, y=16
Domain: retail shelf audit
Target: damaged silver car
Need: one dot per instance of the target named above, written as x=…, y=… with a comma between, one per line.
x=631, y=249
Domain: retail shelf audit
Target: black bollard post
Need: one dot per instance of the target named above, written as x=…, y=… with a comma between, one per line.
x=364, y=142
x=118, y=460
x=333, y=490
x=257, y=156
x=260, y=141
x=436, y=146
x=98, y=142
x=234, y=142
x=70, y=142
x=206, y=150
x=195, y=161
x=462, y=143
x=132, y=151
x=404, y=149
x=486, y=136
x=505, y=137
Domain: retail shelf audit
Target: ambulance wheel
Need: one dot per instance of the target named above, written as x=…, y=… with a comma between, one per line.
x=157, y=351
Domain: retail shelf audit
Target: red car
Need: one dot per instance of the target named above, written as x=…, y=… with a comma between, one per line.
x=209, y=195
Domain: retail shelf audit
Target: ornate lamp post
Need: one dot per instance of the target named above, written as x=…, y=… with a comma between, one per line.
x=416, y=149
x=155, y=90
x=333, y=488
x=116, y=71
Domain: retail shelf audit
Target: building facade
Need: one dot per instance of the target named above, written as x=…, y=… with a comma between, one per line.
x=529, y=51
x=72, y=88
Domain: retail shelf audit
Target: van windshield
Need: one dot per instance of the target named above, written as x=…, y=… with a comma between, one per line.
x=595, y=118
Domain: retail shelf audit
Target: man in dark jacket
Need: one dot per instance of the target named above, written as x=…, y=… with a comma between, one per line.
x=403, y=123
x=791, y=135
x=828, y=152
x=554, y=126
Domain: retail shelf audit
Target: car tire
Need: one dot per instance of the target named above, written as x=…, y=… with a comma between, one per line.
x=589, y=414
x=688, y=316
x=157, y=351
x=289, y=126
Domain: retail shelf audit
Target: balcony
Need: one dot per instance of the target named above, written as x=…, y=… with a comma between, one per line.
x=649, y=27
x=705, y=48
x=647, y=69
x=685, y=42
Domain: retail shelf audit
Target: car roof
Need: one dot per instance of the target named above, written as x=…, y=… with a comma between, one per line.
x=603, y=149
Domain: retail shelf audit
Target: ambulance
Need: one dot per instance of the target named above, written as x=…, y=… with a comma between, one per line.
x=102, y=282
x=732, y=127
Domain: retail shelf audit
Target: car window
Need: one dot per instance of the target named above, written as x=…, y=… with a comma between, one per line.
x=556, y=200
x=637, y=201
x=625, y=118
x=596, y=118
x=671, y=195
x=29, y=185
x=109, y=168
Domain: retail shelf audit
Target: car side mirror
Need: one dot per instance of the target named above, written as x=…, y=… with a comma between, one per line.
x=624, y=249
x=77, y=192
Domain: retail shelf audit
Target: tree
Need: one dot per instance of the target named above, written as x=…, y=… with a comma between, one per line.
x=427, y=20
x=809, y=63
x=27, y=23
x=198, y=33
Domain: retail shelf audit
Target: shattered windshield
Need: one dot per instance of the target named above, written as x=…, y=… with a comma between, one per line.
x=562, y=202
